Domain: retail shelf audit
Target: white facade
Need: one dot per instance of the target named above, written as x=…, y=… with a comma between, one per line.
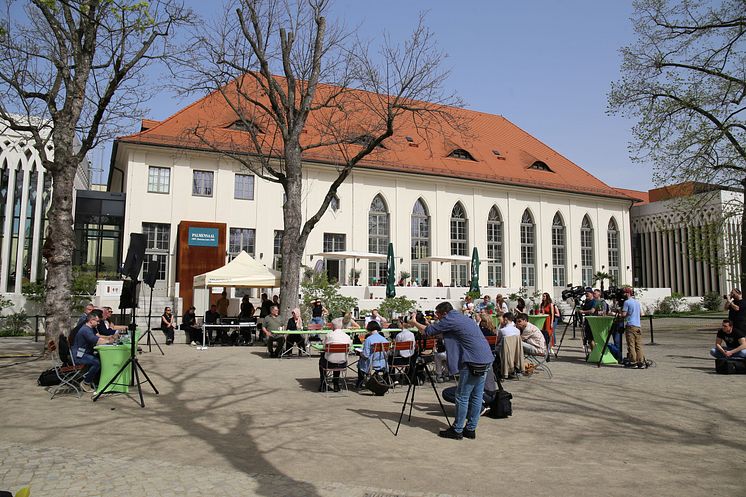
x=400, y=191
x=675, y=249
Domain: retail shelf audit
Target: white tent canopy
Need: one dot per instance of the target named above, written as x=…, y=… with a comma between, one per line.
x=351, y=255
x=244, y=271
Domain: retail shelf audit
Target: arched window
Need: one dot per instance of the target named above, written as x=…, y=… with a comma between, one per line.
x=586, y=251
x=459, y=225
x=559, y=251
x=420, y=242
x=378, y=238
x=528, y=250
x=612, y=235
x=494, y=248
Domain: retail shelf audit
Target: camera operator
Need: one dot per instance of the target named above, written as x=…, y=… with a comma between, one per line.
x=632, y=331
x=588, y=309
x=469, y=354
x=736, y=309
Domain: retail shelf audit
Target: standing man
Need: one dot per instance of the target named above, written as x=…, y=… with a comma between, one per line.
x=469, y=354
x=223, y=303
x=736, y=308
x=632, y=331
x=588, y=309
x=730, y=342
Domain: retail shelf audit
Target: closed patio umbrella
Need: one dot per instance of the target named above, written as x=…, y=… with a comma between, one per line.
x=474, y=271
x=391, y=271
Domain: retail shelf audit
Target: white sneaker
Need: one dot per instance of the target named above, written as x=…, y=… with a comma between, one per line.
x=193, y=344
x=86, y=387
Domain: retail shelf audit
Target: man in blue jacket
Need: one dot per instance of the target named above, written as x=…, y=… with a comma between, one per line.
x=469, y=355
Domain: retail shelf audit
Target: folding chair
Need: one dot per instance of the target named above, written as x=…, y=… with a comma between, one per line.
x=540, y=362
x=402, y=365
x=68, y=373
x=335, y=348
x=380, y=351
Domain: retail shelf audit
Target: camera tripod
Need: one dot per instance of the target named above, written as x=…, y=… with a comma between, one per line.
x=133, y=362
x=149, y=332
x=418, y=362
x=574, y=321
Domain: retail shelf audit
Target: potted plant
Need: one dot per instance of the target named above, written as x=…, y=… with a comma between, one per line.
x=403, y=277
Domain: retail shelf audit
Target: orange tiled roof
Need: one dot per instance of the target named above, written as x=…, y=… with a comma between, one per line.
x=503, y=152
x=640, y=197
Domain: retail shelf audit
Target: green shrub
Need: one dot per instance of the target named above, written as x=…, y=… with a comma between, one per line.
x=317, y=286
x=15, y=325
x=695, y=307
x=712, y=301
x=399, y=305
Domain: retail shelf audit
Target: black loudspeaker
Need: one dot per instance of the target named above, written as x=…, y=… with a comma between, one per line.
x=135, y=256
x=130, y=295
x=152, y=275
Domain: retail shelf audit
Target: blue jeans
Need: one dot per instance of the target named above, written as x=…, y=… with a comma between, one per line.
x=94, y=368
x=468, y=400
x=714, y=352
x=318, y=320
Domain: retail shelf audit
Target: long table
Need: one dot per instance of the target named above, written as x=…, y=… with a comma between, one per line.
x=248, y=324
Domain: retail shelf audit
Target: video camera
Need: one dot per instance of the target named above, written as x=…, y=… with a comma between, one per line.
x=573, y=292
x=614, y=293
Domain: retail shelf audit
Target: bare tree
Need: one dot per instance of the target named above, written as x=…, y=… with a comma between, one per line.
x=299, y=85
x=684, y=81
x=70, y=71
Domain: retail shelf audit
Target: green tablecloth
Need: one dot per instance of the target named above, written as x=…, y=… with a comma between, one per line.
x=538, y=320
x=112, y=357
x=600, y=328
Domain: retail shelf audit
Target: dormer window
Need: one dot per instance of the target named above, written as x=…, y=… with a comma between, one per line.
x=462, y=154
x=540, y=166
x=245, y=125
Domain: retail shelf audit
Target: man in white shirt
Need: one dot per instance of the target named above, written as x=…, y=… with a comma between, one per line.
x=335, y=359
x=531, y=337
x=403, y=357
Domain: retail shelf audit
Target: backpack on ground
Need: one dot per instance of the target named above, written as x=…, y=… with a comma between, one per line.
x=501, y=406
x=729, y=365
x=48, y=378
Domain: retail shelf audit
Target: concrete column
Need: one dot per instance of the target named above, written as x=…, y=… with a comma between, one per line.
x=22, y=230
x=677, y=257
x=5, y=249
x=38, y=221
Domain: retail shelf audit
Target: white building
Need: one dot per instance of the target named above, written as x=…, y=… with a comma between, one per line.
x=537, y=219
x=687, y=237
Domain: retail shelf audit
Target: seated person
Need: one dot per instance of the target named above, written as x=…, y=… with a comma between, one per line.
x=333, y=360
x=168, y=325
x=730, y=342
x=375, y=315
x=532, y=340
x=189, y=325
x=105, y=328
x=486, y=325
x=211, y=317
x=441, y=362
x=295, y=323
x=510, y=350
x=369, y=361
x=275, y=343
x=348, y=323
x=403, y=357
x=82, y=351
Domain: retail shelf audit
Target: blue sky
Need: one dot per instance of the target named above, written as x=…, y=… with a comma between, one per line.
x=544, y=65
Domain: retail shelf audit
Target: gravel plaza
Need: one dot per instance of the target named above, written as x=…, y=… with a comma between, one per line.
x=231, y=421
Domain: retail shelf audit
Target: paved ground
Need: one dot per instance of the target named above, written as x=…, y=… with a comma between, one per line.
x=230, y=421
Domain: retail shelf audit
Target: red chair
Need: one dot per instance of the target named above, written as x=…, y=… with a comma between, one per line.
x=403, y=364
x=335, y=348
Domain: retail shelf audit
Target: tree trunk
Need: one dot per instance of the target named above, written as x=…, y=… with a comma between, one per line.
x=293, y=245
x=58, y=247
